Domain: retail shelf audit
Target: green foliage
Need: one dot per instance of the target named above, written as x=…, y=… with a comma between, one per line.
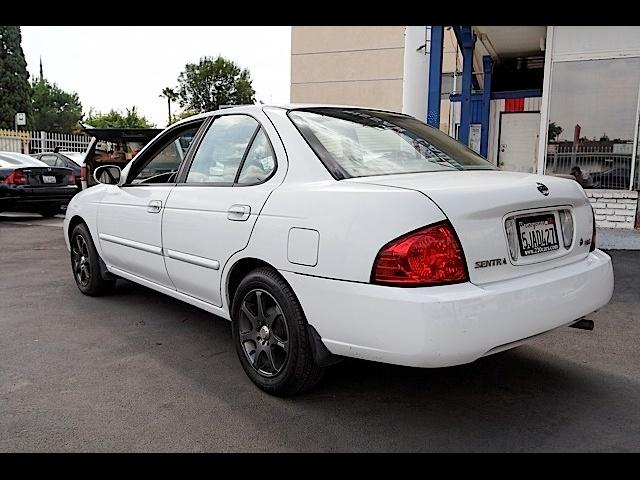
x=206, y=85
x=115, y=119
x=15, y=90
x=554, y=131
x=181, y=115
x=54, y=110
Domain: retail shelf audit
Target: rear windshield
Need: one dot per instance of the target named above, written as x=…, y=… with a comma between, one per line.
x=361, y=143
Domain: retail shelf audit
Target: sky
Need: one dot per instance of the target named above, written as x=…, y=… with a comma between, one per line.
x=118, y=67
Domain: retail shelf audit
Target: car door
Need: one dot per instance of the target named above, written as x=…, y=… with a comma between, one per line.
x=209, y=215
x=130, y=214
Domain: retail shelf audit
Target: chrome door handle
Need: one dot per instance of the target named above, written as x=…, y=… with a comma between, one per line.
x=238, y=213
x=154, y=206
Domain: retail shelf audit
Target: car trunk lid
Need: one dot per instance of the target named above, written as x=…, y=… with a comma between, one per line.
x=478, y=203
x=48, y=177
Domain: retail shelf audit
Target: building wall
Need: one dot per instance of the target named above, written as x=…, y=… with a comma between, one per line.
x=351, y=65
x=614, y=208
x=572, y=42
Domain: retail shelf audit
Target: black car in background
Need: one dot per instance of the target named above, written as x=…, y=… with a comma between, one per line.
x=614, y=178
x=29, y=185
x=72, y=160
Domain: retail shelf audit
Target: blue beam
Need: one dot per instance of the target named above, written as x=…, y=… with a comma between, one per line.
x=486, y=105
x=468, y=39
x=498, y=95
x=435, y=76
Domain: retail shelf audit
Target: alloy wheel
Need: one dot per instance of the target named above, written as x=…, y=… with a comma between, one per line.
x=80, y=257
x=264, y=334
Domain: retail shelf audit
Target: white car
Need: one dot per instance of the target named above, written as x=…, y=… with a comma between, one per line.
x=326, y=232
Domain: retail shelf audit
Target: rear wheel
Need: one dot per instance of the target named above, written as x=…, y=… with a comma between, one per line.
x=48, y=212
x=85, y=264
x=271, y=336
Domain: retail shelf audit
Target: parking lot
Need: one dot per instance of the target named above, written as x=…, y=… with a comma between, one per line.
x=139, y=371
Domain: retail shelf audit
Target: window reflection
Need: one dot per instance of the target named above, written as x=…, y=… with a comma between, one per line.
x=592, y=121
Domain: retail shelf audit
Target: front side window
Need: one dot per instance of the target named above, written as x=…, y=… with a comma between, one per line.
x=222, y=150
x=360, y=143
x=163, y=166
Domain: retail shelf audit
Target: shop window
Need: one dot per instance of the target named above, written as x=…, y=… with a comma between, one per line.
x=592, y=121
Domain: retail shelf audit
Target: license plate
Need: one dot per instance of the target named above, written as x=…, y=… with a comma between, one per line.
x=48, y=179
x=537, y=234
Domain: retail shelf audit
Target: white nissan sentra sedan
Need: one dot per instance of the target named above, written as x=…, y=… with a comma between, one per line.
x=325, y=232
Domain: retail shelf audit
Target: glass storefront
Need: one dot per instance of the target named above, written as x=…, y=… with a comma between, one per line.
x=593, y=114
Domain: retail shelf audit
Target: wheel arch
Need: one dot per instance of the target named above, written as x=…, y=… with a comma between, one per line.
x=237, y=272
x=73, y=223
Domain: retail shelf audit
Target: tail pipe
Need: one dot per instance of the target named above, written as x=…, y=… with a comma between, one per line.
x=583, y=324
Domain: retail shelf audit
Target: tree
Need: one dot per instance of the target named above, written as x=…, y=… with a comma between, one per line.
x=206, y=85
x=181, y=115
x=15, y=91
x=54, y=110
x=171, y=96
x=115, y=119
x=554, y=131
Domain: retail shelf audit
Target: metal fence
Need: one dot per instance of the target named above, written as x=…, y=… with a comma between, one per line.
x=602, y=164
x=24, y=141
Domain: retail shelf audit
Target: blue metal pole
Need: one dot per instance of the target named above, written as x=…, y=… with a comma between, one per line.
x=435, y=75
x=467, y=72
x=486, y=105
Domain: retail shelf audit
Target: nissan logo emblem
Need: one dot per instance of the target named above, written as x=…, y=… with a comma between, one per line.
x=543, y=189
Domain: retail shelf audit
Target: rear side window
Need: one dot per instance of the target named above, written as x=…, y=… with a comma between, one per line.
x=235, y=150
x=259, y=162
x=360, y=143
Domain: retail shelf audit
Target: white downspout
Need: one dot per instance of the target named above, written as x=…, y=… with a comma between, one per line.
x=415, y=78
x=544, y=106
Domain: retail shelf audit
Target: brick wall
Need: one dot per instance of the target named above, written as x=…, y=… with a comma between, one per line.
x=614, y=208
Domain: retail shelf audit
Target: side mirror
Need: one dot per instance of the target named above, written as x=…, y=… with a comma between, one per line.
x=109, y=174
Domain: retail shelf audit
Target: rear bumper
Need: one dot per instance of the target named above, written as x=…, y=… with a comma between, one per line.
x=32, y=198
x=453, y=324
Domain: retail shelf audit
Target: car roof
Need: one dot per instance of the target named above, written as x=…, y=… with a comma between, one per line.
x=14, y=159
x=283, y=106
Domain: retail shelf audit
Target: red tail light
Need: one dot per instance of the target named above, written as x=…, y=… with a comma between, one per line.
x=71, y=178
x=16, y=178
x=593, y=233
x=83, y=173
x=427, y=257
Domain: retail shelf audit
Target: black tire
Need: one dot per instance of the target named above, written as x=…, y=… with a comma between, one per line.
x=48, y=212
x=85, y=264
x=296, y=371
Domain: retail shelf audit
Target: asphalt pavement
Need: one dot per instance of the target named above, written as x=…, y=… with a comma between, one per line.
x=139, y=371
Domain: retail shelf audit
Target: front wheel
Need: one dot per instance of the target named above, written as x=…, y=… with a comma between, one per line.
x=85, y=264
x=270, y=334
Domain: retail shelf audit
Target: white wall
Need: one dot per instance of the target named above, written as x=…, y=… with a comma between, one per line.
x=595, y=42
